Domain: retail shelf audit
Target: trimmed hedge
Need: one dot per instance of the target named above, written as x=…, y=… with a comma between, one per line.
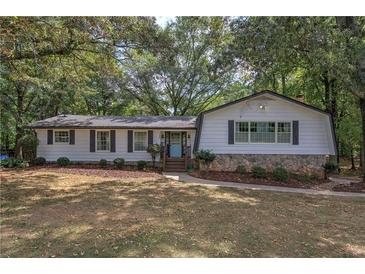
x=259, y=172
x=39, y=161
x=119, y=162
x=141, y=165
x=280, y=174
x=63, y=161
x=103, y=162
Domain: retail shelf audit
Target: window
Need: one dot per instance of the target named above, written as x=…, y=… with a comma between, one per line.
x=140, y=140
x=102, y=140
x=61, y=137
x=241, y=133
x=262, y=132
x=284, y=131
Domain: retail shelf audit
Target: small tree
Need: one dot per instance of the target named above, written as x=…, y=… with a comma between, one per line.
x=205, y=156
x=28, y=146
x=154, y=150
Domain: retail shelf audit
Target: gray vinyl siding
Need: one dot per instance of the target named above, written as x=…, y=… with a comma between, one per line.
x=314, y=129
x=80, y=151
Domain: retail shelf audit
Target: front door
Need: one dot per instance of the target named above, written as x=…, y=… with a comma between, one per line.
x=175, y=145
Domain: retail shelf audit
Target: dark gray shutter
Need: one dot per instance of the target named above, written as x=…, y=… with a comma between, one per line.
x=230, y=132
x=130, y=140
x=150, y=137
x=72, y=137
x=112, y=141
x=50, y=137
x=92, y=140
x=295, y=132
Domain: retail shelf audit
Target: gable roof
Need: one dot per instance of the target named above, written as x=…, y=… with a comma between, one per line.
x=200, y=118
x=268, y=92
x=143, y=122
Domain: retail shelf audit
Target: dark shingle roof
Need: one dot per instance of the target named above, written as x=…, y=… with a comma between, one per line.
x=83, y=121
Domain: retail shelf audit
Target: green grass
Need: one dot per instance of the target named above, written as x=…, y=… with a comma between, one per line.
x=47, y=214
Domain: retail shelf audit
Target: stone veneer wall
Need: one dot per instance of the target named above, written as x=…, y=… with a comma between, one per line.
x=302, y=164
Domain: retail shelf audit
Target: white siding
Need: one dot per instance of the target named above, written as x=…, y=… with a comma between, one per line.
x=314, y=128
x=80, y=151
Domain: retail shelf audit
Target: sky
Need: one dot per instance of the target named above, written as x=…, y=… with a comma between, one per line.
x=163, y=20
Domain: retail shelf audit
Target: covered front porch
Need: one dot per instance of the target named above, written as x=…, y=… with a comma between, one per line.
x=176, y=149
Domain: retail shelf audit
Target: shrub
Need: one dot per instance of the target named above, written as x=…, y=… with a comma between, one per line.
x=141, y=165
x=206, y=156
x=280, y=174
x=13, y=163
x=63, y=161
x=259, y=172
x=330, y=166
x=119, y=162
x=154, y=150
x=39, y=161
x=103, y=162
x=301, y=177
x=241, y=169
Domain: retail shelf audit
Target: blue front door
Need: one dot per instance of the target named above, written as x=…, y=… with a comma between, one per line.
x=175, y=145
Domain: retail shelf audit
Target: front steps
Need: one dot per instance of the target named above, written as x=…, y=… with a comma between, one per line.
x=175, y=164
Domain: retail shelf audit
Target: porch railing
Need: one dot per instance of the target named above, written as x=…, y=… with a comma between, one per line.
x=164, y=156
x=186, y=155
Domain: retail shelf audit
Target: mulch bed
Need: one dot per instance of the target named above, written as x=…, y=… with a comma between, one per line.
x=352, y=187
x=248, y=179
x=95, y=170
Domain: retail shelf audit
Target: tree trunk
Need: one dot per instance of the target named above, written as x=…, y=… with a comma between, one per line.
x=361, y=157
x=330, y=100
x=353, y=167
x=327, y=98
x=362, y=108
x=283, y=84
x=19, y=122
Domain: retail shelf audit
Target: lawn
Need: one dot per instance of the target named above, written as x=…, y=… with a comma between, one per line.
x=45, y=213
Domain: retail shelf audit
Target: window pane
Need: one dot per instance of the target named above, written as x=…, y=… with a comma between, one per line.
x=140, y=141
x=61, y=136
x=102, y=140
x=241, y=134
x=284, y=129
x=263, y=132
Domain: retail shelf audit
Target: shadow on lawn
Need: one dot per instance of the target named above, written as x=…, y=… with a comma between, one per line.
x=112, y=218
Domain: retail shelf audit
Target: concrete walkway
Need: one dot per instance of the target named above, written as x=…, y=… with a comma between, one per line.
x=184, y=177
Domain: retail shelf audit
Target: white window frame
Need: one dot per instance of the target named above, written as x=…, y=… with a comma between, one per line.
x=291, y=132
x=134, y=140
x=61, y=143
x=276, y=132
x=96, y=141
x=249, y=132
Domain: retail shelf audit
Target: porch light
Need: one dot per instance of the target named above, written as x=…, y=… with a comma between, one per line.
x=188, y=136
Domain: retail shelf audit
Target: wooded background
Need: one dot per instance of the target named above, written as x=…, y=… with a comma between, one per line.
x=134, y=66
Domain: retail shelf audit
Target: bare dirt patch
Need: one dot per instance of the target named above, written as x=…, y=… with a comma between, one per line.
x=53, y=214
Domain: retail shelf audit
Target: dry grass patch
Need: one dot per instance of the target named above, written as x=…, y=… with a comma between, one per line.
x=53, y=214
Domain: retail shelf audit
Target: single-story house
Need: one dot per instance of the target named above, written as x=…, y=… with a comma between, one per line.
x=265, y=129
